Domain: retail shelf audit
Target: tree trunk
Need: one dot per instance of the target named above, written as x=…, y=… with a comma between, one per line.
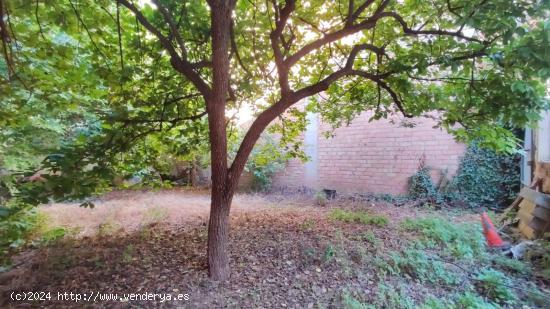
x=218, y=236
x=222, y=187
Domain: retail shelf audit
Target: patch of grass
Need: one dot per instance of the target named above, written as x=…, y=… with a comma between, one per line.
x=154, y=215
x=307, y=225
x=389, y=296
x=494, y=285
x=512, y=265
x=462, y=240
x=350, y=302
x=417, y=264
x=329, y=253
x=128, y=254
x=109, y=227
x=357, y=217
x=52, y=235
x=437, y=303
x=474, y=301
x=369, y=237
x=43, y=234
x=320, y=198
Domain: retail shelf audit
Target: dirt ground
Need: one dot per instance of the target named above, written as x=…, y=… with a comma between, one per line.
x=129, y=211
x=285, y=253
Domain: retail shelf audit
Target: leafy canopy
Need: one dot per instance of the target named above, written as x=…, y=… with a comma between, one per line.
x=86, y=80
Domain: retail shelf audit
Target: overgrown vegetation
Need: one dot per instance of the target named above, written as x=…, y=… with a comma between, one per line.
x=452, y=257
x=459, y=240
x=23, y=225
x=357, y=217
x=87, y=105
x=266, y=159
x=484, y=178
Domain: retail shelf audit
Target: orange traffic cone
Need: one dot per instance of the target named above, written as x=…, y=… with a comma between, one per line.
x=493, y=240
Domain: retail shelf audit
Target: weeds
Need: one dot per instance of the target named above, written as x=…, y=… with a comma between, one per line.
x=369, y=237
x=357, y=217
x=51, y=236
x=393, y=297
x=467, y=300
x=416, y=264
x=350, y=302
x=494, y=285
x=128, y=254
x=307, y=225
x=154, y=215
x=472, y=300
x=463, y=241
x=512, y=265
x=109, y=227
x=329, y=254
x=320, y=198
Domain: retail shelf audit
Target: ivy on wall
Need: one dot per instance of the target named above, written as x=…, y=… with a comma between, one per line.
x=484, y=178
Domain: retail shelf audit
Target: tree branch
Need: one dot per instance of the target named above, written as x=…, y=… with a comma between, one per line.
x=275, y=37
x=286, y=101
x=161, y=120
x=236, y=50
x=347, y=30
x=173, y=28
x=360, y=10
x=89, y=34
x=409, y=31
x=179, y=63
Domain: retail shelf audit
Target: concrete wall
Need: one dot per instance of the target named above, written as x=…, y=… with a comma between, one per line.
x=365, y=156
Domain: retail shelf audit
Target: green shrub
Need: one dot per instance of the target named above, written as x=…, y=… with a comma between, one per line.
x=357, y=217
x=265, y=160
x=486, y=178
x=495, y=285
x=17, y=223
x=422, y=186
x=50, y=236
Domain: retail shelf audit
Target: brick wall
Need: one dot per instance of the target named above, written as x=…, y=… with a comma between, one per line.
x=376, y=156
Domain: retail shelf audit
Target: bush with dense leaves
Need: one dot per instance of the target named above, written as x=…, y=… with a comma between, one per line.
x=484, y=178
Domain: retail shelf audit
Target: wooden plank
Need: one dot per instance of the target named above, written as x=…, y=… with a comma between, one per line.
x=516, y=203
x=538, y=198
x=537, y=224
x=526, y=230
x=526, y=209
x=542, y=213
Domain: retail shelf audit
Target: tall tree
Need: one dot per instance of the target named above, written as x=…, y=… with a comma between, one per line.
x=480, y=64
